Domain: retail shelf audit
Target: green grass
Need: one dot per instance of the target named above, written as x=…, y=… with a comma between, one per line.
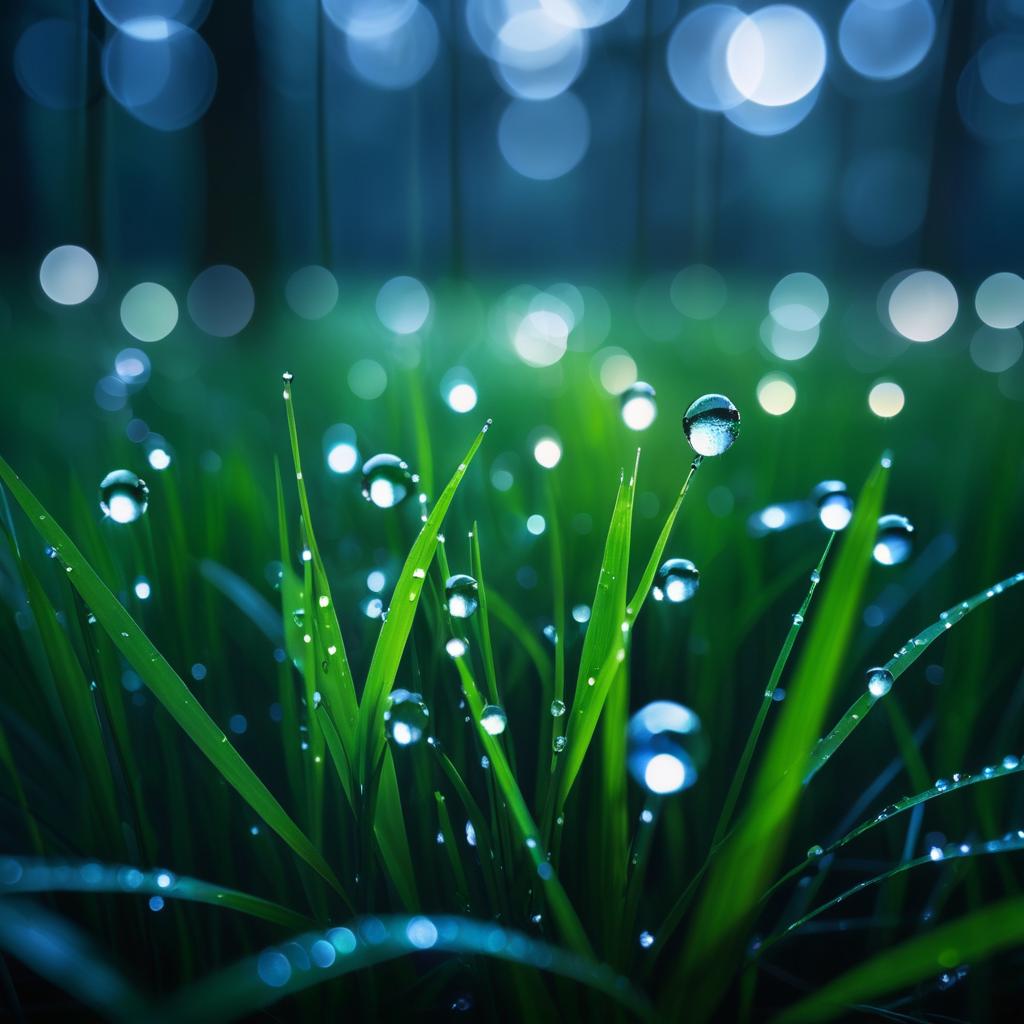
x=309, y=829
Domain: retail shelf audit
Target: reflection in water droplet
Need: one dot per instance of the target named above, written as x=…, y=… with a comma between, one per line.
x=493, y=719
x=664, y=744
x=894, y=540
x=639, y=408
x=835, y=506
x=123, y=496
x=711, y=425
x=387, y=480
x=880, y=681
x=676, y=581
x=406, y=717
x=461, y=593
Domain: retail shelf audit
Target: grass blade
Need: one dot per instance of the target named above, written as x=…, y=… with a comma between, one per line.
x=897, y=665
x=744, y=864
x=21, y=875
x=241, y=990
x=1010, y=843
x=561, y=908
x=971, y=938
x=60, y=953
x=165, y=684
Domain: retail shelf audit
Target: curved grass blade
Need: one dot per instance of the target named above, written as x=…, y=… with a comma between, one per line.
x=387, y=654
x=897, y=665
x=1010, y=765
x=679, y=908
x=971, y=938
x=245, y=597
x=164, y=683
x=744, y=865
x=317, y=957
x=1010, y=843
x=601, y=643
x=561, y=908
x=647, y=578
x=25, y=875
x=55, y=950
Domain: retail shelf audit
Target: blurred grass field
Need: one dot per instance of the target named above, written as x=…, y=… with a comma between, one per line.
x=957, y=452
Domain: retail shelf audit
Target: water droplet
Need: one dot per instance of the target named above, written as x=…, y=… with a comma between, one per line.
x=676, y=581
x=646, y=940
x=834, y=504
x=894, y=540
x=557, y=708
x=880, y=681
x=638, y=406
x=815, y=576
x=941, y=785
x=1010, y=762
x=461, y=593
x=287, y=377
x=558, y=744
x=406, y=717
x=815, y=852
x=493, y=719
x=798, y=619
x=455, y=647
x=299, y=617
x=664, y=746
x=470, y=834
x=550, y=634
x=711, y=425
x=387, y=480
x=123, y=496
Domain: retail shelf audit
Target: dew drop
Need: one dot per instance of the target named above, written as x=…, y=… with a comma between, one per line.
x=387, y=480
x=493, y=719
x=455, y=647
x=646, y=940
x=406, y=717
x=880, y=681
x=124, y=497
x=834, y=504
x=664, y=745
x=557, y=708
x=894, y=540
x=461, y=593
x=639, y=408
x=815, y=852
x=711, y=425
x=676, y=581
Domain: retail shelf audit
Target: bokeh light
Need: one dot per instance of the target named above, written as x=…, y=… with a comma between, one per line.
x=884, y=39
x=398, y=58
x=367, y=379
x=999, y=300
x=221, y=301
x=698, y=292
x=160, y=71
x=537, y=57
x=696, y=57
x=786, y=343
x=149, y=311
x=886, y=399
x=52, y=62
x=548, y=452
x=458, y=389
x=995, y=350
x=923, y=306
x=776, y=55
x=544, y=140
x=776, y=394
x=311, y=292
x=69, y=275
x=541, y=338
x=584, y=13
x=403, y=305
x=798, y=302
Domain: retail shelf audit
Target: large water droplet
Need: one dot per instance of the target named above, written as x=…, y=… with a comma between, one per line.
x=461, y=593
x=676, y=581
x=894, y=540
x=880, y=681
x=711, y=425
x=557, y=708
x=123, y=496
x=493, y=719
x=406, y=717
x=835, y=506
x=387, y=480
x=664, y=747
x=638, y=406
